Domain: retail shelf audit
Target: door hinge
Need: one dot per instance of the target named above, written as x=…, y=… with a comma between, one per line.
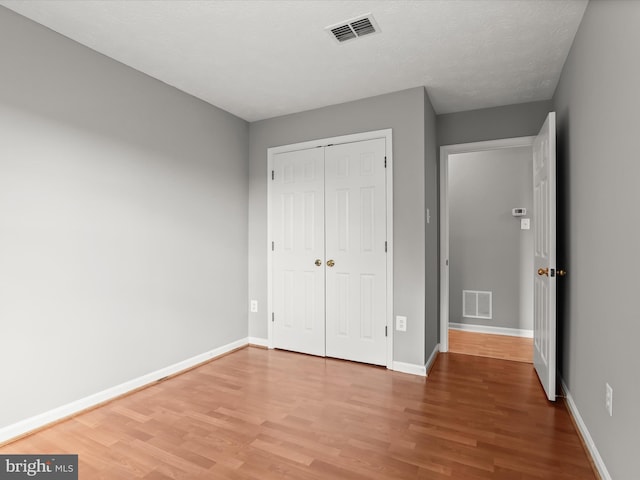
x=385, y=162
x=273, y=174
x=386, y=333
x=385, y=246
x=273, y=246
x=273, y=317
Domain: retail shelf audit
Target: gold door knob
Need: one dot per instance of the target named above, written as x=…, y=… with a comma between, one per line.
x=543, y=271
x=330, y=263
x=318, y=262
x=561, y=273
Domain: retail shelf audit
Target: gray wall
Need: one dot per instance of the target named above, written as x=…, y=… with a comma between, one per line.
x=404, y=112
x=511, y=121
x=123, y=222
x=597, y=103
x=487, y=249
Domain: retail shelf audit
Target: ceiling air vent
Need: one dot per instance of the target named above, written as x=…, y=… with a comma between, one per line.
x=354, y=28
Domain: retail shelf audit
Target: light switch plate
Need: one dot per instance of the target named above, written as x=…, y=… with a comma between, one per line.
x=609, y=399
x=525, y=223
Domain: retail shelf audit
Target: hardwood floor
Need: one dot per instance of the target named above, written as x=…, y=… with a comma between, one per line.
x=518, y=349
x=261, y=414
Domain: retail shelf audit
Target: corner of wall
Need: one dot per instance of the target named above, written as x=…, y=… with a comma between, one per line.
x=432, y=247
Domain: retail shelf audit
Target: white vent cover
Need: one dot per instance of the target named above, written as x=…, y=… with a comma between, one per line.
x=354, y=28
x=476, y=304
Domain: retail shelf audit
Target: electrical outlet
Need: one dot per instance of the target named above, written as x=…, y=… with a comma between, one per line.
x=609, y=400
x=254, y=306
x=401, y=323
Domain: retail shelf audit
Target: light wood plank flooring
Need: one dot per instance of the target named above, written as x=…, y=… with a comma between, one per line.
x=260, y=414
x=504, y=347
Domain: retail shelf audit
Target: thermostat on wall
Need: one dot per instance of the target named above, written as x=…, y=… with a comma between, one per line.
x=519, y=212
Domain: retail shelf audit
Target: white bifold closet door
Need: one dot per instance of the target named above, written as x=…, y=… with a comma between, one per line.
x=329, y=252
x=297, y=225
x=355, y=222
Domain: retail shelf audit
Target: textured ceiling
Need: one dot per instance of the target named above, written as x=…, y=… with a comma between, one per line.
x=264, y=58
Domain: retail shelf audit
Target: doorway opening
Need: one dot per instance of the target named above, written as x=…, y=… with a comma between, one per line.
x=487, y=249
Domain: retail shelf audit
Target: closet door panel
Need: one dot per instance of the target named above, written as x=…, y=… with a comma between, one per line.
x=355, y=222
x=297, y=216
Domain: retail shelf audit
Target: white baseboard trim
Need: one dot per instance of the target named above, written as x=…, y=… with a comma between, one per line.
x=414, y=369
x=411, y=368
x=431, y=359
x=259, y=342
x=38, y=421
x=512, y=332
x=591, y=446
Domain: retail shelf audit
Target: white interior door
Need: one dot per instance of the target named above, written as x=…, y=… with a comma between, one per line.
x=544, y=214
x=297, y=225
x=355, y=222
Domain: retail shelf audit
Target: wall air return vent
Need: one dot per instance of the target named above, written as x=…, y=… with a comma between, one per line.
x=476, y=304
x=354, y=28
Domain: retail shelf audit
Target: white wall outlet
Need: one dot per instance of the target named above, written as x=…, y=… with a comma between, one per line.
x=254, y=306
x=525, y=223
x=609, y=400
x=401, y=323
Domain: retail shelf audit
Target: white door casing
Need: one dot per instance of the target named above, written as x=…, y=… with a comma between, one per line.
x=284, y=204
x=355, y=219
x=544, y=225
x=297, y=226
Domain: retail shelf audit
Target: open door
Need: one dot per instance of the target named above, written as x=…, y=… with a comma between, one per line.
x=544, y=215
